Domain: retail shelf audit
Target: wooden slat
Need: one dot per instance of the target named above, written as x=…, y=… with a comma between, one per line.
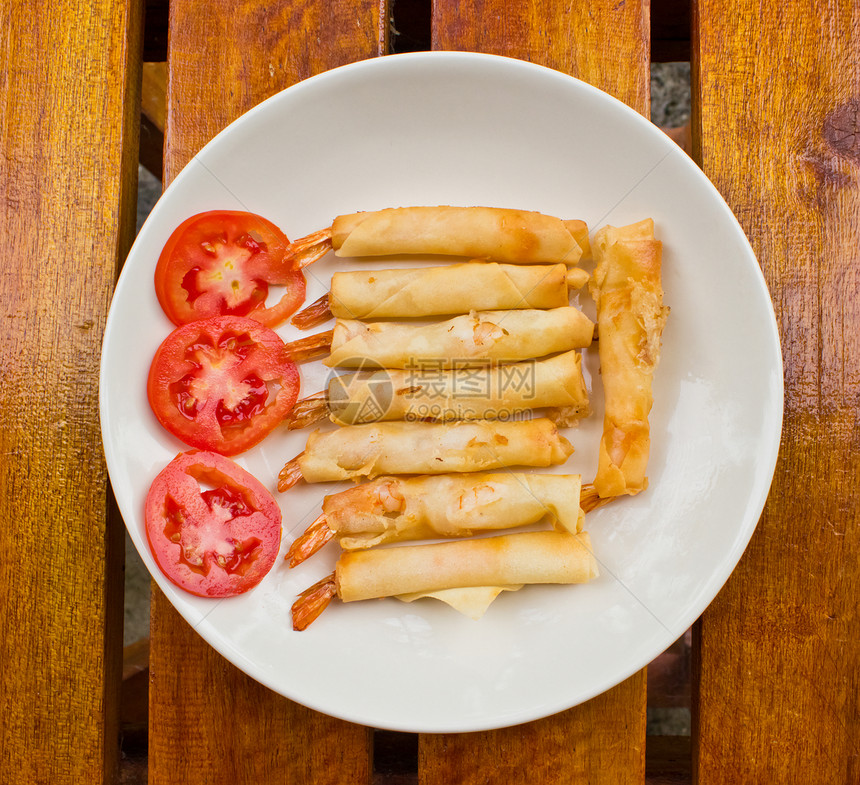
x=208, y=721
x=226, y=57
x=602, y=741
x=604, y=43
x=69, y=91
x=777, y=128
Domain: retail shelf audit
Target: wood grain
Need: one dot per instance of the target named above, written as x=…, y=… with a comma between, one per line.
x=602, y=741
x=69, y=91
x=777, y=128
x=209, y=723
x=224, y=58
x=605, y=43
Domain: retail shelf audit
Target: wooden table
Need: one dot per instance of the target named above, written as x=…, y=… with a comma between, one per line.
x=776, y=101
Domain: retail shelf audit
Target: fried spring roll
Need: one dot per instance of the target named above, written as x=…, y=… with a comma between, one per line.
x=466, y=574
x=478, y=337
x=358, y=451
x=630, y=315
x=497, y=392
x=437, y=291
x=395, y=509
x=491, y=233
x=504, y=560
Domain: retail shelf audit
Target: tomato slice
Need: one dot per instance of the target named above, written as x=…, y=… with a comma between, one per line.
x=213, y=529
x=222, y=384
x=221, y=263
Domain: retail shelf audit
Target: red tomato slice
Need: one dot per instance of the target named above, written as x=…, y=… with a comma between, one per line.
x=221, y=263
x=213, y=529
x=222, y=384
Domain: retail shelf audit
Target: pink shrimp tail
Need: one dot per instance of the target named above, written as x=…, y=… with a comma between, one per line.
x=290, y=474
x=312, y=602
x=311, y=347
x=307, y=544
x=307, y=250
x=315, y=314
x=590, y=500
x=308, y=411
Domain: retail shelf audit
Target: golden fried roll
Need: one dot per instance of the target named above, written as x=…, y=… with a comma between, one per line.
x=395, y=509
x=438, y=291
x=491, y=233
x=496, y=392
x=630, y=315
x=475, y=338
x=357, y=451
x=504, y=560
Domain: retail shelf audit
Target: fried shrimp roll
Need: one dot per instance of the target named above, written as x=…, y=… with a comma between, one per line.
x=467, y=574
x=627, y=288
x=368, y=451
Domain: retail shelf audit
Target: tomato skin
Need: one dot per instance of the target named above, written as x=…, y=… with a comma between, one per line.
x=222, y=384
x=218, y=542
x=221, y=263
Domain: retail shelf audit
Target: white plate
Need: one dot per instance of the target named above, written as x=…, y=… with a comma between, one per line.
x=458, y=128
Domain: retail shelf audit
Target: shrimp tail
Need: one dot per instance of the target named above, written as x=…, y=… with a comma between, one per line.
x=307, y=250
x=312, y=602
x=290, y=474
x=307, y=544
x=311, y=347
x=314, y=315
x=308, y=411
x=590, y=500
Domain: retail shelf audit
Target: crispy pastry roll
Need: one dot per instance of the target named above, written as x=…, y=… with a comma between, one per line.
x=475, y=338
x=495, y=392
x=436, y=291
x=395, y=509
x=504, y=560
x=491, y=233
x=451, y=570
x=630, y=315
x=357, y=451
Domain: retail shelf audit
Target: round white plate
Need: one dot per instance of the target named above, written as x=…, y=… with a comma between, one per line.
x=467, y=129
